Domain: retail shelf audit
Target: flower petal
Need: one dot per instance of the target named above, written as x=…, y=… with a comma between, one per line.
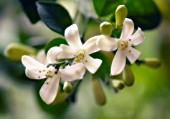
x=35, y=74
x=73, y=72
x=52, y=54
x=137, y=37
x=92, y=64
x=68, y=52
x=127, y=29
x=41, y=57
x=48, y=91
x=90, y=45
x=72, y=36
x=106, y=43
x=132, y=54
x=118, y=62
x=31, y=63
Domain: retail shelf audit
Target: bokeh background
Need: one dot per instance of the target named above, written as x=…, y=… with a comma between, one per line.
x=148, y=98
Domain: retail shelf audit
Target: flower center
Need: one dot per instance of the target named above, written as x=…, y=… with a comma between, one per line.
x=50, y=71
x=79, y=56
x=122, y=44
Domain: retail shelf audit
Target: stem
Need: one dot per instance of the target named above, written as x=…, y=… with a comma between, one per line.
x=76, y=16
x=72, y=96
x=84, y=28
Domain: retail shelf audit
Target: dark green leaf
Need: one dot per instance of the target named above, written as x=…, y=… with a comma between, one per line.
x=54, y=42
x=144, y=13
x=4, y=107
x=30, y=9
x=106, y=7
x=54, y=16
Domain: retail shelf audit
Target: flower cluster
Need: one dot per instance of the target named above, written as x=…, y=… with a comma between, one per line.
x=69, y=62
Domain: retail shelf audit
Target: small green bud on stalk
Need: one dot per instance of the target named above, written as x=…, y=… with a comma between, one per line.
x=98, y=92
x=68, y=88
x=118, y=84
x=61, y=96
x=106, y=28
x=120, y=14
x=152, y=62
x=128, y=76
x=15, y=51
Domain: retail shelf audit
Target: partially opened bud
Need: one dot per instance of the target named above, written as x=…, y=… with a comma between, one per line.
x=15, y=51
x=120, y=14
x=128, y=76
x=152, y=62
x=68, y=88
x=98, y=92
x=106, y=28
x=118, y=84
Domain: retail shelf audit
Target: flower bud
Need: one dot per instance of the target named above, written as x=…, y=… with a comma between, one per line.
x=152, y=62
x=68, y=88
x=106, y=28
x=118, y=84
x=61, y=96
x=15, y=51
x=120, y=14
x=128, y=76
x=98, y=92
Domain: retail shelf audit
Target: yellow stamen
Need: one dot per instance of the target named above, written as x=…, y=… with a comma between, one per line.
x=122, y=44
x=79, y=56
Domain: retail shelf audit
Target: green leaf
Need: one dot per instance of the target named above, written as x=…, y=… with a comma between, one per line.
x=30, y=9
x=106, y=7
x=54, y=16
x=55, y=42
x=144, y=13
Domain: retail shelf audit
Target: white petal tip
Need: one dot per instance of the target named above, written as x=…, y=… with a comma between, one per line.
x=99, y=62
x=115, y=73
x=71, y=29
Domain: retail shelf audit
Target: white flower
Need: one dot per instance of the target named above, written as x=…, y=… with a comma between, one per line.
x=41, y=57
x=53, y=73
x=123, y=45
x=80, y=52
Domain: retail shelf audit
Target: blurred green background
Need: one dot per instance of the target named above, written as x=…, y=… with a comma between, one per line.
x=148, y=98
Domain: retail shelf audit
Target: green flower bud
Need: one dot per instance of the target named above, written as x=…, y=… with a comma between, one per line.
x=120, y=14
x=128, y=76
x=61, y=96
x=15, y=51
x=106, y=28
x=152, y=62
x=98, y=92
x=68, y=88
x=118, y=84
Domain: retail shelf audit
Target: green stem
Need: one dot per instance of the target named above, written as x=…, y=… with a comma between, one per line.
x=76, y=16
x=84, y=28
